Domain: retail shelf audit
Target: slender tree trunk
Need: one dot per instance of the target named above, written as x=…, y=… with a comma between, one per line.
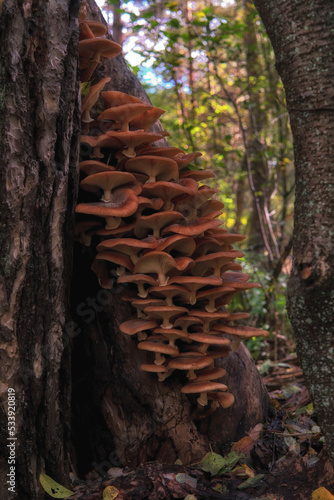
x=39, y=149
x=302, y=37
x=256, y=122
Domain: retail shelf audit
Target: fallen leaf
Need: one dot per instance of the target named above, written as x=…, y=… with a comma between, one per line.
x=53, y=488
x=213, y=463
x=110, y=492
x=255, y=432
x=322, y=494
x=244, y=445
x=251, y=482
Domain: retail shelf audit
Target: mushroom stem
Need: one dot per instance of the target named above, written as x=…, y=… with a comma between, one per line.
x=162, y=279
x=112, y=222
x=142, y=293
x=203, y=399
x=192, y=298
x=191, y=375
x=203, y=348
x=159, y=359
x=129, y=152
x=106, y=195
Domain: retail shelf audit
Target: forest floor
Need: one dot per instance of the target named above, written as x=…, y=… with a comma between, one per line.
x=284, y=459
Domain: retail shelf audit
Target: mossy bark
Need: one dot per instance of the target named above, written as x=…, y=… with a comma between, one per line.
x=302, y=37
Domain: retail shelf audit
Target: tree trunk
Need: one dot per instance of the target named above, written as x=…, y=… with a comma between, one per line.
x=302, y=38
x=39, y=149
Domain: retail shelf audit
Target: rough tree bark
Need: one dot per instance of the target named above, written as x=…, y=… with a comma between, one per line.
x=302, y=37
x=49, y=336
x=39, y=144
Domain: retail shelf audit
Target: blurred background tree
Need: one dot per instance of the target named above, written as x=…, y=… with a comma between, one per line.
x=210, y=65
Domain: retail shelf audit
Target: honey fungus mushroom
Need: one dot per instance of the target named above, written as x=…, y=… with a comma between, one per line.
x=164, y=237
x=91, y=51
x=203, y=388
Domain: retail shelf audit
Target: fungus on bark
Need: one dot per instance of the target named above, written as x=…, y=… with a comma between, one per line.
x=163, y=235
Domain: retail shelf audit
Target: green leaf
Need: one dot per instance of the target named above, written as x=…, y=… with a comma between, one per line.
x=251, y=482
x=231, y=460
x=213, y=463
x=53, y=488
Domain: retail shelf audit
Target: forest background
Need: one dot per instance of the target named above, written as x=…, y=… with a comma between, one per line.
x=211, y=66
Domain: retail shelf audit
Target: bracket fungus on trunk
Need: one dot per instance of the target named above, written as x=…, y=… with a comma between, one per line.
x=162, y=235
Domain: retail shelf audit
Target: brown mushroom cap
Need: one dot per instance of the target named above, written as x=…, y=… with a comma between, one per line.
x=122, y=230
x=184, y=322
x=177, y=243
x=155, y=167
x=172, y=334
x=185, y=159
x=140, y=305
x=116, y=258
x=210, y=374
x=170, y=190
x=189, y=205
x=214, y=262
x=190, y=363
x=154, y=223
x=113, y=98
x=212, y=295
x=162, y=263
x=123, y=203
x=208, y=317
x=91, y=51
x=241, y=331
x=169, y=292
x=210, y=207
x=161, y=370
x=194, y=228
x=97, y=28
x=159, y=349
x=134, y=326
x=90, y=167
x=197, y=175
x=203, y=388
x=194, y=283
x=146, y=367
x=107, y=181
x=132, y=139
x=147, y=119
x=91, y=98
x=167, y=152
x=165, y=313
x=140, y=280
x=124, y=114
x=236, y=316
x=128, y=246
x=225, y=399
x=206, y=339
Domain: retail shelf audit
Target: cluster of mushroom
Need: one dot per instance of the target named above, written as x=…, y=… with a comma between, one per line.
x=159, y=229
